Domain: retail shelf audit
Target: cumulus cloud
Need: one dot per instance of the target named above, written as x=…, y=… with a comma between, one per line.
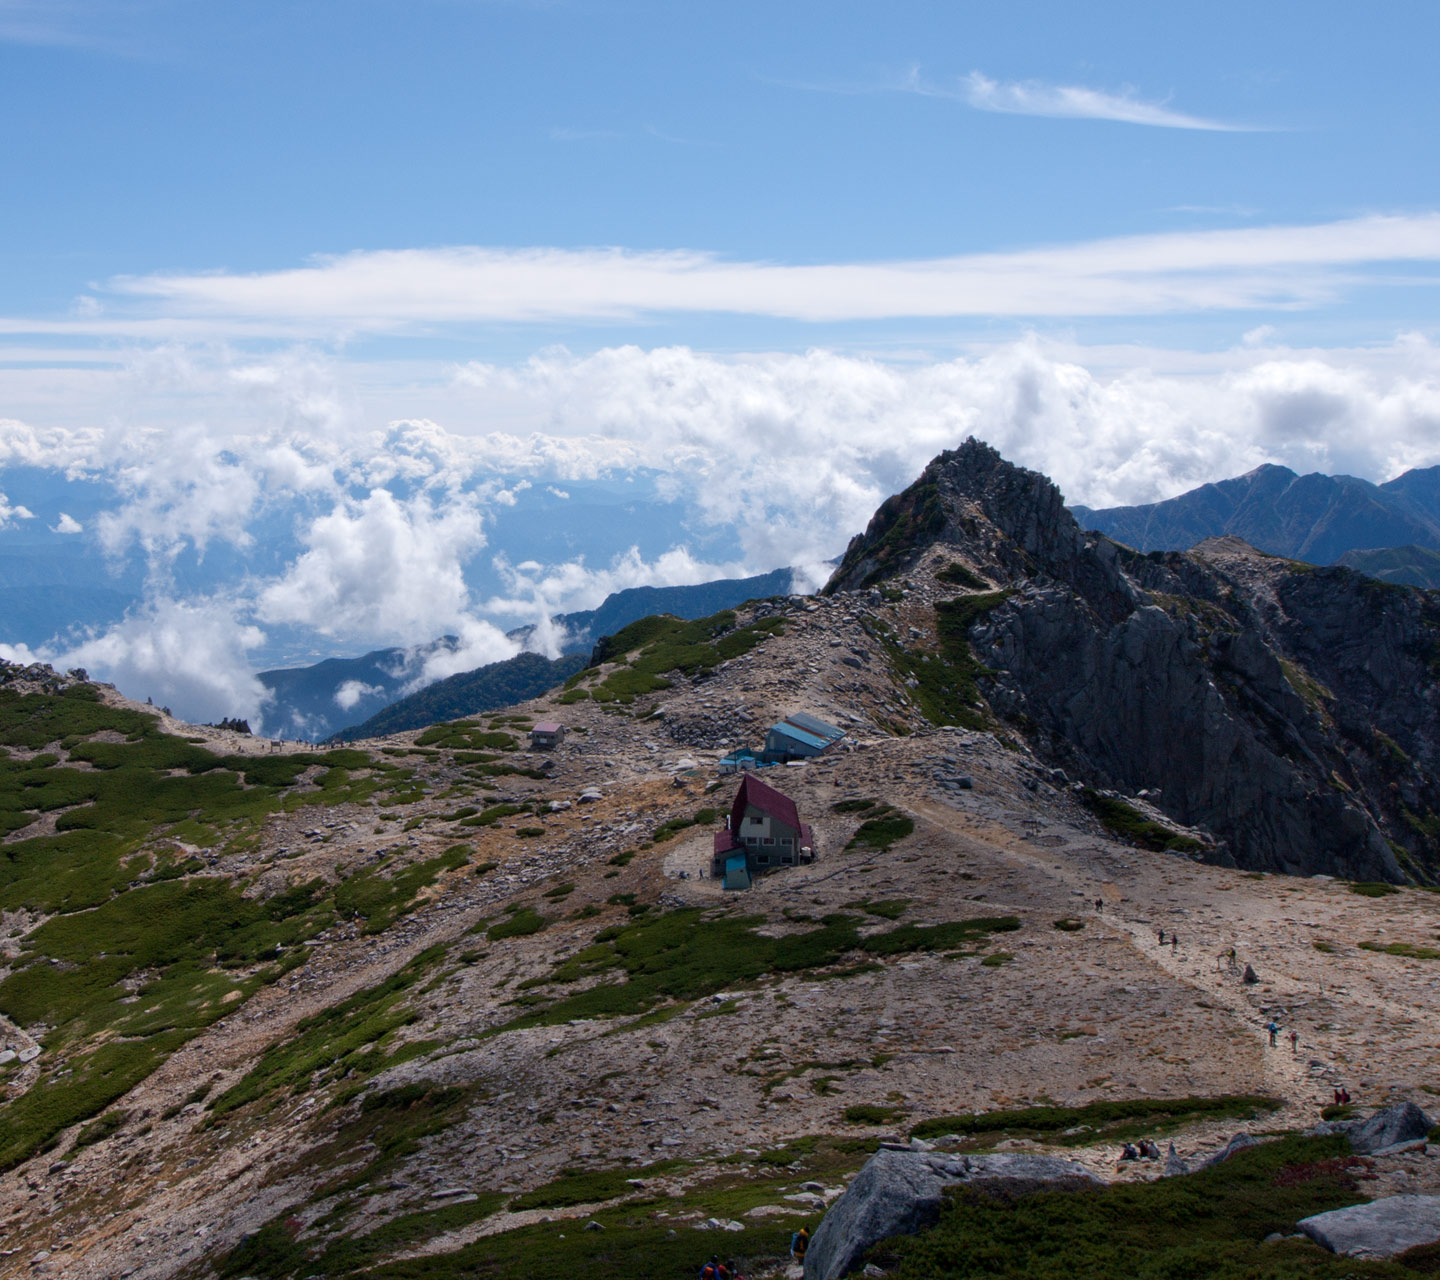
x=189, y=655
x=380, y=567
x=11, y=512
x=351, y=691
x=67, y=524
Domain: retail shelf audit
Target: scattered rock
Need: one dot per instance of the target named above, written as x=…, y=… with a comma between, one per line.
x=1380, y=1229
x=1402, y=1123
x=1238, y=1143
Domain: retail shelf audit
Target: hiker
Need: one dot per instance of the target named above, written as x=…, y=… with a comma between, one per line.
x=1174, y=942
x=1273, y=1028
x=1162, y=937
x=733, y=1268
x=799, y=1242
x=1345, y=1097
x=1099, y=904
x=711, y=1270
x=1294, y=1042
x=1337, y=1097
x=1128, y=1152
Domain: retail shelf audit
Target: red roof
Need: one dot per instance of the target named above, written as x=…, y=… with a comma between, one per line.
x=726, y=841
x=765, y=798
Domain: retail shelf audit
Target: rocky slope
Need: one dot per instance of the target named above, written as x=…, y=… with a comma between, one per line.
x=434, y=1004
x=1290, y=711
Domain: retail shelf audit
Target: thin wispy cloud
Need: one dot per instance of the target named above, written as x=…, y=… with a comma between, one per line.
x=73, y=24
x=1071, y=102
x=561, y=133
x=1032, y=98
x=411, y=290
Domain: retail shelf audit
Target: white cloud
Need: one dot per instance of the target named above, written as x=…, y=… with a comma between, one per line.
x=380, y=567
x=410, y=289
x=11, y=512
x=351, y=691
x=67, y=524
x=1073, y=102
x=189, y=655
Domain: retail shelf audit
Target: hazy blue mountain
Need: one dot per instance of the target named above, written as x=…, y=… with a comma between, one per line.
x=322, y=699
x=500, y=684
x=1411, y=566
x=1313, y=517
x=698, y=601
x=313, y=702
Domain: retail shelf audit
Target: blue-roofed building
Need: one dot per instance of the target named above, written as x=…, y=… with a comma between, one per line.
x=799, y=736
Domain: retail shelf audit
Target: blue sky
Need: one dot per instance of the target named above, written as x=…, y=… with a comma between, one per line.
x=179, y=138
x=326, y=303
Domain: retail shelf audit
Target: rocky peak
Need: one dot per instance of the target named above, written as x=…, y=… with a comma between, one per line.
x=1005, y=517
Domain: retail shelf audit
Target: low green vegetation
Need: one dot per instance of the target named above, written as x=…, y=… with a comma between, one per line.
x=1211, y=1224
x=466, y=735
x=1129, y=823
x=866, y=1113
x=883, y=826
x=945, y=683
x=1096, y=1121
x=588, y=1187
x=1372, y=888
x=702, y=818
x=1408, y=950
x=653, y=647
x=1070, y=924
x=958, y=575
x=686, y=955
x=520, y=925
x=352, y=1040
x=379, y=900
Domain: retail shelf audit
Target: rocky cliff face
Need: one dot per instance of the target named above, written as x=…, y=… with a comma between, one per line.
x=1291, y=711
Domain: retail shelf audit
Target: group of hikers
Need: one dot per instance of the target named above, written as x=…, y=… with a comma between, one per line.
x=717, y=1270
x=1142, y=1150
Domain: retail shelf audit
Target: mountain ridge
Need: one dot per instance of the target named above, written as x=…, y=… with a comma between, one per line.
x=1311, y=517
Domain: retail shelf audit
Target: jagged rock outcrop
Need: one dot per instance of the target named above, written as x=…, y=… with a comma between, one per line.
x=1289, y=710
x=900, y=1193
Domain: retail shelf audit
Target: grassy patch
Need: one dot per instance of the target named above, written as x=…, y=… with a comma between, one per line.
x=1210, y=1224
x=1069, y=924
x=1099, y=1120
x=1130, y=824
x=355, y=1038
x=945, y=683
x=1406, y=949
x=866, y=1113
x=958, y=575
x=1372, y=888
x=686, y=955
x=582, y=1187
x=379, y=899
x=655, y=647
x=520, y=925
x=883, y=826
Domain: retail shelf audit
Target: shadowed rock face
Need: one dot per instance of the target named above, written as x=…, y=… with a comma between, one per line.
x=1289, y=710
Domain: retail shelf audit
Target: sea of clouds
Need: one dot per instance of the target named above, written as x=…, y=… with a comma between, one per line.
x=349, y=502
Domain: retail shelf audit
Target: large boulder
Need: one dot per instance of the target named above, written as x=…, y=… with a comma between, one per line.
x=1404, y=1122
x=900, y=1193
x=1380, y=1229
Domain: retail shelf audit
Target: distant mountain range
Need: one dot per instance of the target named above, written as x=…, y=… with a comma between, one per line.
x=1315, y=518
x=341, y=696
x=500, y=684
